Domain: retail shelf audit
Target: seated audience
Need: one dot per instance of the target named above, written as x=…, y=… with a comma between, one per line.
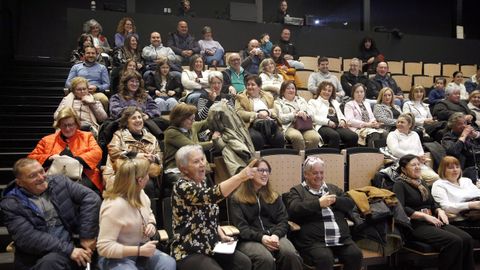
x=353, y=76
x=156, y=52
x=404, y=140
x=323, y=75
x=257, y=110
x=183, y=130
x=359, y=115
x=288, y=49
x=252, y=56
x=43, y=212
x=182, y=43
x=89, y=110
x=70, y=141
x=164, y=88
x=457, y=195
x=210, y=49
x=321, y=210
x=283, y=67
x=282, y=12
x=474, y=105
x=117, y=74
x=290, y=107
x=382, y=80
x=125, y=27
x=78, y=55
x=438, y=92
x=212, y=95
x=120, y=245
x=132, y=93
x=385, y=111
x=195, y=80
x=95, y=73
x=129, y=51
x=260, y=215
x=328, y=118
x=100, y=42
x=461, y=140
x=271, y=79
x=458, y=81
x=451, y=104
x=429, y=222
x=130, y=141
x=185, y=9
x=423, y=118
x=234, y=75
x=195, y=209
x=473, y=83
x=266, y=45
x=370, y=55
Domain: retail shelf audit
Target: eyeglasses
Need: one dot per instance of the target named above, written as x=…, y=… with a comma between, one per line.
x=69, y=125
x=263, y=171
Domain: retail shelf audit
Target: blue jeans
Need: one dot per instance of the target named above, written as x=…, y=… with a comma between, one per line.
x=159, y=261
x=217, y=56
x=166, y=104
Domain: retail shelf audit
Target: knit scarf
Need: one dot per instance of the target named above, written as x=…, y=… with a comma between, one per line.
x=416, y=183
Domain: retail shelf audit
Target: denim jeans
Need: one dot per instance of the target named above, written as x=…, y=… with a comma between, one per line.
x=159, y=261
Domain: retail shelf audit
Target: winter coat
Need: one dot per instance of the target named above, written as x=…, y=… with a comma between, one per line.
x=82, y=145
x=77, y=207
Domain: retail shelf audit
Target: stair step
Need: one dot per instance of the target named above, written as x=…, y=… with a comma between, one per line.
x=35, y=90
x=7, y=159
x=6, y=261
x=22, y=99
x=6, y=176
x=33, y=82
x=29, y=108
x=20, y=142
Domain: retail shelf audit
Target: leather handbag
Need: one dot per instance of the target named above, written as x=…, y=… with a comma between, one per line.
x=302, y=125
x=67, y=166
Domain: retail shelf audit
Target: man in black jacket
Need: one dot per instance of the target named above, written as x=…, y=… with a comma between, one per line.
x=288, y=49
x=43, y=213
x=320, y=209
x=352, y=77
x=381, y=80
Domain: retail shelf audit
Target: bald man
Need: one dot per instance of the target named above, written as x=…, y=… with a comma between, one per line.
x=182, y=43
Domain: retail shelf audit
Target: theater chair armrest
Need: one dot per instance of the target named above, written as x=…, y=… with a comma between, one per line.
x=163, y=235
x=230, y=230
x=293, y=226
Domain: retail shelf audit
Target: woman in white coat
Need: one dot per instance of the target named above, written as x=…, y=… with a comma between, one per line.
x=328, y=118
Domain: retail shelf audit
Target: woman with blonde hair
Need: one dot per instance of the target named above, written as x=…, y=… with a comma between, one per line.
x=258, y=212
x=70, y=141
x=385, y=111
x=89, y=111
x=271, y=79
x=126, y=243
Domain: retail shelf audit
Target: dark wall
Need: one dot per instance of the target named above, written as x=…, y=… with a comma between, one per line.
x=56, y=29
x=310, y=40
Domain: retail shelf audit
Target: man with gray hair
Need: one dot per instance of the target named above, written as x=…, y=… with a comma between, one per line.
x=451, y=104
x=321, y=210
x=353, y=76
x=43, y=212
x=461, y=140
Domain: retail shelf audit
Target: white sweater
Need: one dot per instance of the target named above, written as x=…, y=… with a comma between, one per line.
x=401, y=144
x=452, y=198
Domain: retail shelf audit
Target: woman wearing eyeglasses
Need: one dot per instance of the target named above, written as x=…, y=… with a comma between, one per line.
x=69, y=140
x=124, y=243
x=258, y=212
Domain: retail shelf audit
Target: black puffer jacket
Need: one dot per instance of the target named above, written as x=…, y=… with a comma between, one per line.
x=77, y=207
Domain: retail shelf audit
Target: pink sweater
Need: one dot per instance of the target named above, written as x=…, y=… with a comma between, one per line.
x=121, y=225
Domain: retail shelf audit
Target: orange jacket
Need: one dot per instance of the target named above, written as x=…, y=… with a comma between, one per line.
x=82, y=144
